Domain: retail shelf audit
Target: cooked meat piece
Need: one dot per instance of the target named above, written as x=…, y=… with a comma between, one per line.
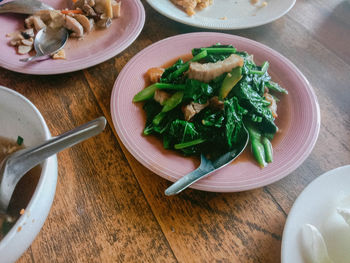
x=85, y=22
x=28, y=33
x=204, y=3
x=161, y=96
x=28, y=22
x=52, y=18
x=80, y=4
x=73, y=25
x=15, y=36
x=209, y=71
x=116, y=8
x=59, y=55
x=45, y=15
x=57, y=19
x=192, y=109
x=190, y=5
x=100, y=6
x=154, y=74
x=215, y=103
x=27, y=42
x=104, y=22
x=104, y=7
x=15, y=43
x=188, y=111
x=91, y=3
x=38, y=23
x=88, y=10
x=273, y=105
x=22, y=49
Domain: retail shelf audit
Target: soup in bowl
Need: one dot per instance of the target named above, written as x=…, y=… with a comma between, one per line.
x=22, y=125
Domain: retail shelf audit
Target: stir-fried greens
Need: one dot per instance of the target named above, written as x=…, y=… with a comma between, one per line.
x=204, y=104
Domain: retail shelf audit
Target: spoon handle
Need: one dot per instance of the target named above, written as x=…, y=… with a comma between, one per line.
x=33, y=57
x=206, y=168
x=23, y=7
x=10, y=8
x=185, y=182
x=28, y=158
x=203, y=170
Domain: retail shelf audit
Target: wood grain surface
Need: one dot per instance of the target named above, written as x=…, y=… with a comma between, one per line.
x=109, y=208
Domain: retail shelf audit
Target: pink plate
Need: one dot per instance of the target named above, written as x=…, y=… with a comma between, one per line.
x=96, y=47
x=299, y=114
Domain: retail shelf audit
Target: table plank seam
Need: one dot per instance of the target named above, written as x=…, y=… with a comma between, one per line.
x=279, y=207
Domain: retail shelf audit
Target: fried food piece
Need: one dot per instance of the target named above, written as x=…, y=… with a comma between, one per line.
x=190, y=5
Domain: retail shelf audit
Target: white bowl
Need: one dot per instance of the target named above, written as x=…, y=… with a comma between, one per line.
x=19, y=117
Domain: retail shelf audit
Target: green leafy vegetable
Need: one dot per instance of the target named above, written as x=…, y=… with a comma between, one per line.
x=234, y=124
x=216, y=52
x=229, y=82
x=257, y=105
x=218, y=110
x=19, y=140
x=197, y=91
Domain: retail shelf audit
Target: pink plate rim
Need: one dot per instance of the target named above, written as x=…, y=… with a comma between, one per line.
x=261, y=177
x=133, y=32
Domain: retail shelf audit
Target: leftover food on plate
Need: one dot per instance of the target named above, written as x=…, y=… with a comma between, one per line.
x=203, y=105
x=23, y=191
x=190, y=5
x=84, y=17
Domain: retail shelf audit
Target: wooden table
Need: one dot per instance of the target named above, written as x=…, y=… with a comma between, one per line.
x=109, y=208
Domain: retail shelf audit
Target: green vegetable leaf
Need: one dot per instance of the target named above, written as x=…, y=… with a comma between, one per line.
x=165, y=76
x=234, y=125
x=216, y=52
x=19, y=140
x=198, y=91
x=256, y=105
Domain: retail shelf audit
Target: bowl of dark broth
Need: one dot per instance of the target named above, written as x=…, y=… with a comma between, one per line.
x=22, y=125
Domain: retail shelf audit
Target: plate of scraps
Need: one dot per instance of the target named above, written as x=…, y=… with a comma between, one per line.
x=223, y=14
x=91, y=49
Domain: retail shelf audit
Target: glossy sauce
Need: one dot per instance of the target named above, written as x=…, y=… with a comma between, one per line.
x=23, y=191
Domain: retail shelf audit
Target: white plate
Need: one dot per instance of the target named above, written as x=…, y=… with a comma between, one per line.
x=317, y=205
x=226, y=14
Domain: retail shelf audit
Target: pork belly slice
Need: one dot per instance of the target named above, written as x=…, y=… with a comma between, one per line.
x=38, y=23
x=161, y=96
x=192, y=109
x=154, y=74
x=75, y=26
x=209, y=71
x=88, y=24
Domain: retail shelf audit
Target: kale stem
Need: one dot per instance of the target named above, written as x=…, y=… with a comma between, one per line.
x=257, y=147
x=215, y=50
x=275, y=87
x=263, y=70
x=145, y=94
x=170, y=86
x=186, y=65
x=188, y=144
x=158, y=118
x=268, y=149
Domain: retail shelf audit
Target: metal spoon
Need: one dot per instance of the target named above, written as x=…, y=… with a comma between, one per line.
x=48, y=41
x=17, y=164
x=206, y=168
x=24, y=7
